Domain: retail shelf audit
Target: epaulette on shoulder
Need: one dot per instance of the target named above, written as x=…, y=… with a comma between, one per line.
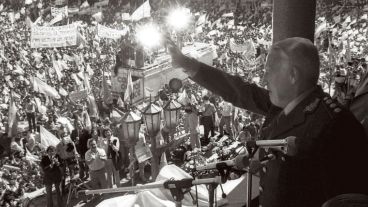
x=312, y=106
x=332, y=106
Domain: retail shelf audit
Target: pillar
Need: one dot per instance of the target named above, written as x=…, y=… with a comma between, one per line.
x=293, y=18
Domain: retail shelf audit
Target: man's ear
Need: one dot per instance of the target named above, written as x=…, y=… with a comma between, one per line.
x=294, y=75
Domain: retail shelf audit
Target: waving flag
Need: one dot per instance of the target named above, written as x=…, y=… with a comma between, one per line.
x=129, y=88
x=141, y=12
x=42, y=87
x=12, y=117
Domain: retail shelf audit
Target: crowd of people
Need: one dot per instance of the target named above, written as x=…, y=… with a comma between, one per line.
x=91, y=146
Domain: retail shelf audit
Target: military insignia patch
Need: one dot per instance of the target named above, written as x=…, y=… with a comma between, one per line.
x=312, y=106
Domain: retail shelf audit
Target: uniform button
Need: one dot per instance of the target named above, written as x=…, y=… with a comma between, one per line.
x=329, y=101
x=264, y=169
x=333, y=105
x=283, y=159
x=337, y=110
x=260, y=189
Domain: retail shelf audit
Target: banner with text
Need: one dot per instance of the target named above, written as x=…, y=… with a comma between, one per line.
x=59, y=10
x=119, y=83
x=106, y=32
x=60, y=36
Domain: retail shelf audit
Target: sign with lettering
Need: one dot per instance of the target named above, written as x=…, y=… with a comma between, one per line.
x=106, y=32
x=50, y=37
x=59, y=10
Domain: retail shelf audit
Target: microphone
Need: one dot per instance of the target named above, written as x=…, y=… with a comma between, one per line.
x=216, y=165
x=286, y=146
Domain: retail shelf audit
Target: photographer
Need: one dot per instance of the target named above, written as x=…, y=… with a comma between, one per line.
x=66, y=150
x=51, y=167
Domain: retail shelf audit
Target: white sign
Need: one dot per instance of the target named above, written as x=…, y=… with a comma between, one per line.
x=62, y=10
x=142, y=152
x=61, y=36
x=107, y=32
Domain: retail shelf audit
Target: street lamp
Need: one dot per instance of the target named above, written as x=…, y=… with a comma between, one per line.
x=131, y=123
x=152, y=119
x=171, y=113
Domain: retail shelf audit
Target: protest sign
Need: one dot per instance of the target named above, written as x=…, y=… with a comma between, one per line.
x=55, y=11
x=50, y=37
x=78, y=95
x=142, y=151
x=107, y=32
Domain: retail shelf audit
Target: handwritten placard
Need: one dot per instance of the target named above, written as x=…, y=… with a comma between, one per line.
x=50, y=37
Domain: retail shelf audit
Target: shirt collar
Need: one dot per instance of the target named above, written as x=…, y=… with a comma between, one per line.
x=291, y=105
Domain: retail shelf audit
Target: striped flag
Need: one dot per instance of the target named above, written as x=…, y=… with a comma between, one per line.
x=12, y=117
x=42, y=87
x=142, y=12
x=129, y=89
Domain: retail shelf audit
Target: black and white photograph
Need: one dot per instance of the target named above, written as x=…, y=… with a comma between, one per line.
x=183, y=103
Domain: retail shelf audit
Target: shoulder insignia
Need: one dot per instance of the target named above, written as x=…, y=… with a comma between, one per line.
x=312, y=106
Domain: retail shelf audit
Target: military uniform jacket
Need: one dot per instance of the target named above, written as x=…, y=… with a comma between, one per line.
x=331, y=148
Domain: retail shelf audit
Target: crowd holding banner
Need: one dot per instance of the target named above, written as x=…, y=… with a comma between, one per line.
x=67, y=71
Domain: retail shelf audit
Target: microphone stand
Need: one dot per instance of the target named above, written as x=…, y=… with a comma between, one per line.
x=177, y=187
x=249, y=180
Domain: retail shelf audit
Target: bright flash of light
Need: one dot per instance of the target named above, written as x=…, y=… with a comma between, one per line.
x=149, y=35
x=179, y=18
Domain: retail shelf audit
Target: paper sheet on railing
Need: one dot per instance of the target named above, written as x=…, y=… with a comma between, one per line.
x=235, y=190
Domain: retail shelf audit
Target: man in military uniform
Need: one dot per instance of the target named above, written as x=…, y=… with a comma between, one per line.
x=330, y=145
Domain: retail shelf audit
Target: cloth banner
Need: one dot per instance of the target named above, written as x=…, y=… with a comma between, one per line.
x=47, y=138
x=50, y=37
x=106, y=32
x=78, y=95
x=55, y=11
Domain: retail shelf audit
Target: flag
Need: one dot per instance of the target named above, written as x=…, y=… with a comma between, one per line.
x=105, y=92
x=201, y=20
x=42, y=87
x=86, y=82
x=56, y=19
x=56, y=67
x=120, y=102
x=348, y=53
x=141, y=12
x=320, y=28
x=12, y=117
x=47, y=138
x=129, y=88
x=92, y=106
x=331, y=54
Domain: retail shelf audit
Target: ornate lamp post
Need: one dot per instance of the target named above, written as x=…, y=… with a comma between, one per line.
x=131, y=124
x=171, y=114
x=152, y=120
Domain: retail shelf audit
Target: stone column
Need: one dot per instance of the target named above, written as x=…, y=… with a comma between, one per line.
x=293, y=18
